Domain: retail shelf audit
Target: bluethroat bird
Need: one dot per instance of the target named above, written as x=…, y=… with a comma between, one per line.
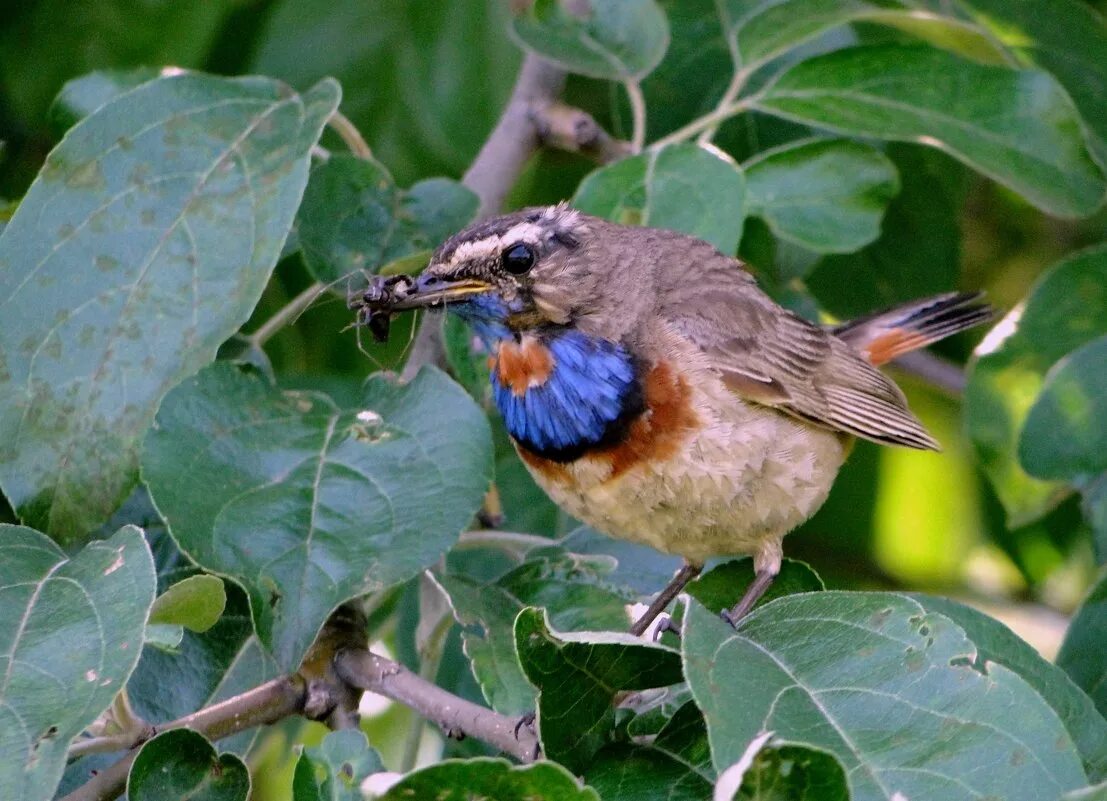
x=656, y=393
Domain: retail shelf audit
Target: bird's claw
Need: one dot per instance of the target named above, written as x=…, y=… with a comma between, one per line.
x=728, y=618
x=524, y=720
x=665, y=625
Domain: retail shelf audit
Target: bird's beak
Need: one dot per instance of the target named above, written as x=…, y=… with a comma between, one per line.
x=432, y=290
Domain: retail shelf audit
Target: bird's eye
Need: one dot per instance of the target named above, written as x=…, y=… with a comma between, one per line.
x=518, y=258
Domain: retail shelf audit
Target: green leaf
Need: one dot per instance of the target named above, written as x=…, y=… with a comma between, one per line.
x=195, y=603
x=1081, y=654
x=1066, y=308
x=334, y=770
x=673, y=766
x=576, y=592
x=82, y=96
x=827, y=195
x=761, y=30
x=309, y=505
x=355, y=219
x=682, y=187
x=771, y=770
x=162, y=214
x=723, y=586
x=577, y=677
x=1066, y=37
x=1017, y=127
x=638, y=567
x=614, y=39
x=485, y=777
x=182, y=764
x=885, y=686
x=70, y=634
x=1064, y=436
x=997, y=644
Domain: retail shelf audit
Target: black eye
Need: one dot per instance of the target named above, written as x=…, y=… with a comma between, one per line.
x=517, y=259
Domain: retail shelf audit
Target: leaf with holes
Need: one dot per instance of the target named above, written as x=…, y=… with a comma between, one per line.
x=682, y=187
x=1018, y=127
x=575, y=590
x=355, y=219
x=180, y=764
x=70, y=635
x=887, y=687
x=143, y=244
x=827, y=195
x=578, y=676
x=335, y=769
x=309, y=505
x=613, y=39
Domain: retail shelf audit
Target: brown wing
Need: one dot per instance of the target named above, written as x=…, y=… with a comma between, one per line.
x=770, y=356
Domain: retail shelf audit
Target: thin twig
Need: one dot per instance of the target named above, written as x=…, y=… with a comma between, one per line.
x=737, y=83
x=703, y=123
x=268, y=703
x=368, y=671
x=286, y=314
x=341, y=125
x=637, y=114
x=564, y=127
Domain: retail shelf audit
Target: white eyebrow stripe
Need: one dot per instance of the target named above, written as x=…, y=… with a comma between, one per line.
x=527, y=232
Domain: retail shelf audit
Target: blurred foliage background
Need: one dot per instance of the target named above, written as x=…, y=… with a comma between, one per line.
x=425, y=82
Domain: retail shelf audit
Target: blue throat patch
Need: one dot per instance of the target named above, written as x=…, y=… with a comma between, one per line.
x=591, y=395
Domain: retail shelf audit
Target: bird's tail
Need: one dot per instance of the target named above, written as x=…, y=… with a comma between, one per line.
x=888, y=334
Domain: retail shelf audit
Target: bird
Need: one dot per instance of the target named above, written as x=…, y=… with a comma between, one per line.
x=656, y=393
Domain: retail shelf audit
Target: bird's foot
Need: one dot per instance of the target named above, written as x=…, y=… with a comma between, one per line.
x=525, y=720
x=666, y=624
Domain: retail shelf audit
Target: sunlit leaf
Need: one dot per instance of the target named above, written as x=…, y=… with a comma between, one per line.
x=463, y=780
x=195, y=603
x=158, y=220
x=70, y=634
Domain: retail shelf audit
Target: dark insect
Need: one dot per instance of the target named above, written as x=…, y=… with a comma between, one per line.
x=374, y=304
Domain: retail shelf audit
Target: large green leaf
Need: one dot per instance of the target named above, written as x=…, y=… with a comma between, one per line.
x=1066, y=37
x=675, y=765
x=682, y=187
x=827, y=195
x=81, y=96
x=487, y=778
x=354, y=217
x=1018, y=127
x=1067, y=308
x=309, y=505
x=1081, y=653
x=182, y=764
x=574, y=589
x=335, y=769
x=887, y=687
x=162, y=215
x=615, y=39
x=995, y=643
x=70, y=634
x=1064, y=436
x=578, y=676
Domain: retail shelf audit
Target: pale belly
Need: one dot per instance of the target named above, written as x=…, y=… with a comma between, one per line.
x=743, y=478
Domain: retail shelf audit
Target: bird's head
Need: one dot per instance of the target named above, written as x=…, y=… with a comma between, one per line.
x=539, y=267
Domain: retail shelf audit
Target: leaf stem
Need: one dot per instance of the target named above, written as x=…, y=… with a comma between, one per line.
x=737, y=83
x=285, y=315
x=638, y=114
x=708, y=120
x=341, y=125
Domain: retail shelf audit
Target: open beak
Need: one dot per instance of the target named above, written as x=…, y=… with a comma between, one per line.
x=431, y=290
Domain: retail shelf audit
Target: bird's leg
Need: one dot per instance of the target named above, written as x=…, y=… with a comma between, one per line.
x=761, y=581
x=687, y=572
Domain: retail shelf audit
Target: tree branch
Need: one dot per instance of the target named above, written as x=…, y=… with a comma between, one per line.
x=368, y=671
x=492, y=174
x=569, y=128
x=268, y=703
